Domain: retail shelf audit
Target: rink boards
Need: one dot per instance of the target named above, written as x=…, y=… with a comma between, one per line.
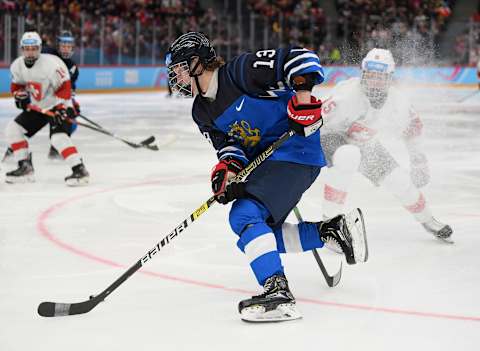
x=128, y=78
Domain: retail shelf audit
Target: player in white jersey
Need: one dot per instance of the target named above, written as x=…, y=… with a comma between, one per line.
x=354, y=113
x=41, y=81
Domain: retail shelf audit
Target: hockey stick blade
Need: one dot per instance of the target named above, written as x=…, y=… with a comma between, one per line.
x=56, y=309
x=149, y=140
x=332, y=280
x=146, y=143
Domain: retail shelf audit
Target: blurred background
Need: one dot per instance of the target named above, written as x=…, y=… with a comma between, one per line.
x=138, y=32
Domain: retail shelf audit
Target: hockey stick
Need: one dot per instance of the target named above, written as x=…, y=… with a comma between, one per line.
x=332, y=280
x=473, y=93
x=91, y=122
x=145, y=143
x=55, y=309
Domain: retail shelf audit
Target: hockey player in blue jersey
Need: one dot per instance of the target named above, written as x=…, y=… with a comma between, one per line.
x=65, y=50
x=242, y=107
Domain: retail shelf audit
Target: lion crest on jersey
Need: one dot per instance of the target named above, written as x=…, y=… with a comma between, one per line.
x=245, y=134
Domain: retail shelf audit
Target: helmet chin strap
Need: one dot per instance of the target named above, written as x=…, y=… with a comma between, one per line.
x=200, y=91
x=197, y=82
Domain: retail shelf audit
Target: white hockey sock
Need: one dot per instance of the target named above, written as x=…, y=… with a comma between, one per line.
x=64, y=145
x=291, y=238
x=15, y=135
x=400, y=185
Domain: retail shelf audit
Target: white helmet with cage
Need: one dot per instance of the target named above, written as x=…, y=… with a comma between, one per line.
x=31, y=45
x=377, y=72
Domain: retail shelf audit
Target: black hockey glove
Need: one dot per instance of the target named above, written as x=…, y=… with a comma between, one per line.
x=22, y=99
x=224, y=171
x=74, y=111
x=60, y=116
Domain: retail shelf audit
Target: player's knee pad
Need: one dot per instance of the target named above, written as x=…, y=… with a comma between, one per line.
x=245, y=212
x=347, y=158
x=14, y=132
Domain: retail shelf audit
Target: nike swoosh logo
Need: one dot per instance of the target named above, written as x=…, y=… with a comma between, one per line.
x=239, y=107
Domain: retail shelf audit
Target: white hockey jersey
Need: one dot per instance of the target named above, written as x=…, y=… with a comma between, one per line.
x=347, y=110
x=47, y=81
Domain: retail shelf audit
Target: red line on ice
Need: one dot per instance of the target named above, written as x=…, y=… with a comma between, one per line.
x=46, y=233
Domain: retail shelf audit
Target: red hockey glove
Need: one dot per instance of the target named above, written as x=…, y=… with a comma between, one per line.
x=419, y=171
x=224, y=171
x=305, y=119
x=22, y=99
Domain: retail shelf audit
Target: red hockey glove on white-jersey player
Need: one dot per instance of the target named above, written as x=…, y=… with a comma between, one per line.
x=22, y=99
x=305, y=119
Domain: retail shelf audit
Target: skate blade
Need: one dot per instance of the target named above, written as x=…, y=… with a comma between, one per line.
x=20, y=180
x=356, y=225
x=283, y=312
x=78, y=182
x=446, y=240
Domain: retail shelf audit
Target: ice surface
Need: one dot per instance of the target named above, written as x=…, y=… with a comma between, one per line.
x=64, y=244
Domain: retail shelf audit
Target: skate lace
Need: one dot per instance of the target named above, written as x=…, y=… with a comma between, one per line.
x=331, y=234
x=272, y=285
x=332, y=242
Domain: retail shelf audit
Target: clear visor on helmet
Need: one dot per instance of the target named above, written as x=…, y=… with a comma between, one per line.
x=375, y=85
x=179, y=79
x=65, y=49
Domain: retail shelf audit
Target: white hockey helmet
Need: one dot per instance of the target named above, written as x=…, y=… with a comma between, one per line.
x=377, y=72
x=31, y=40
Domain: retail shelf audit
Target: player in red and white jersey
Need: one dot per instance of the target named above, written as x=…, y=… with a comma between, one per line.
x=41, y=81
x=354, y=114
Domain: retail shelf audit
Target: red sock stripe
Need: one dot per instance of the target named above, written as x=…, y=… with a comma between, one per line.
x=69, y=151
x=334, y=195
x=417, y=207
x=20, y=145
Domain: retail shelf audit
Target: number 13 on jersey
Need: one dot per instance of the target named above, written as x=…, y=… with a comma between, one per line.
x=265, y=54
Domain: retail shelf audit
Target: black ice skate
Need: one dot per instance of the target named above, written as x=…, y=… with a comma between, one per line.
x=439, y=230
x=53, y=154
x=346, y=233
x=274, y=305
x=23, y=174
x=78, y=177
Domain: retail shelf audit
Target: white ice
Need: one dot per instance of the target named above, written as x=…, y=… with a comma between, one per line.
x=64, y=244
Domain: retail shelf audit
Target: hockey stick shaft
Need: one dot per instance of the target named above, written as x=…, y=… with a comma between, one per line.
x=91, y=122
x=53, y=309
x=102, y=129
x=465, y=98
x=144, y=144
x=331, y=280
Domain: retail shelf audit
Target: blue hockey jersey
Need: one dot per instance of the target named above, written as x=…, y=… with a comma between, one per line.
x=249, y=111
